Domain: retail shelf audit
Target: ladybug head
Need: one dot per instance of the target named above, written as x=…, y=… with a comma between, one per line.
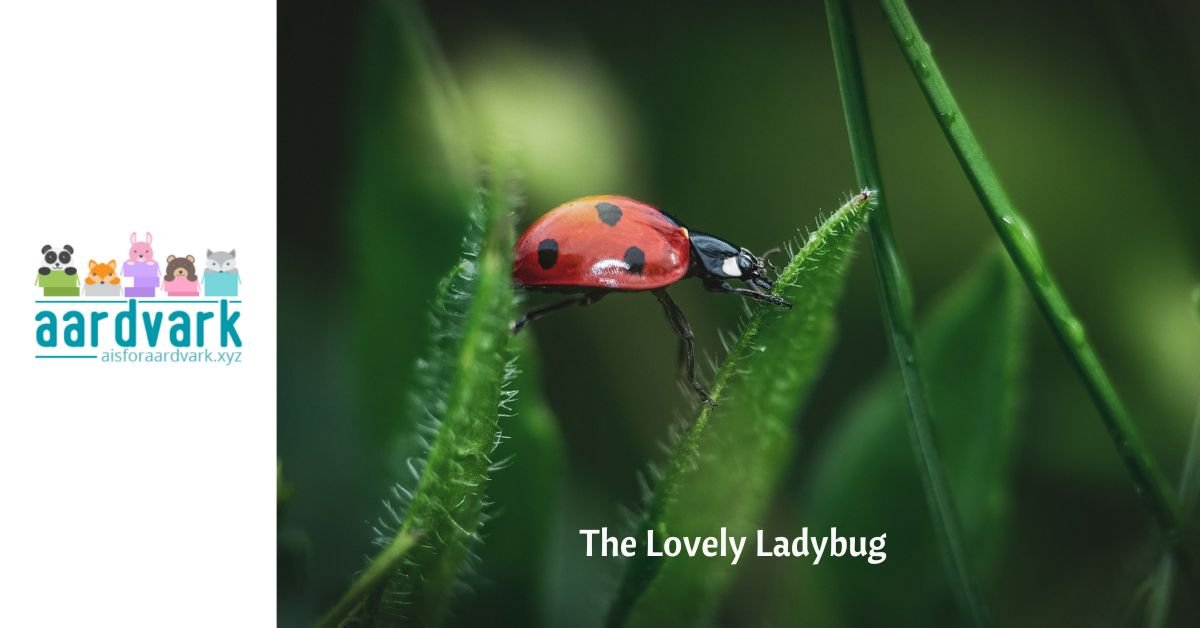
x=754, y=271
x=719, y=260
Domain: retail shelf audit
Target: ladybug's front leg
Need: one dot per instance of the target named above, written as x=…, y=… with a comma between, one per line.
x=721, y=286
x=680, y=323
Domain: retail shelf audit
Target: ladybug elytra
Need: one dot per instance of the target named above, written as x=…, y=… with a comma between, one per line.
x=597, y=245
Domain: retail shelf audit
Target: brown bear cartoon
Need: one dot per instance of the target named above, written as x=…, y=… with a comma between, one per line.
x=181, y=280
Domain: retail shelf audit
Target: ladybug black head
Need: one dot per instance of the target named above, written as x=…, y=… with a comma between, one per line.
x=754, y=271
x=717, y=259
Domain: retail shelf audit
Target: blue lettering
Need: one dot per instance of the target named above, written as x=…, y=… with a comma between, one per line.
x=181, y=331
x=227, y=322
x=128, y=319
x=96, y=318
x=201, y=317
x=73, y=328
x=47, y=332
x=152, y=328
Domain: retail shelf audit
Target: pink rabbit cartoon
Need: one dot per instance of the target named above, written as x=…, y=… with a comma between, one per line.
x=141, y=267
x=140, y=251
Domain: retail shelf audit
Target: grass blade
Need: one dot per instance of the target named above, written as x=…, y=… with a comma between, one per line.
x=1023, y=249
x=1162, y=585
x=896, y=297
x=372, y=577
x=972, y=349
x=527, y=493
x=460, y=396
x=723, y=470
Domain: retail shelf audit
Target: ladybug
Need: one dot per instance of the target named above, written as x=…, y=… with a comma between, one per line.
x=597, y=245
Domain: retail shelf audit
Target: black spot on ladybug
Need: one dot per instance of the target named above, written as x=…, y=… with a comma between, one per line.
x=547, y=253
x=636, y=259
x=609, y=214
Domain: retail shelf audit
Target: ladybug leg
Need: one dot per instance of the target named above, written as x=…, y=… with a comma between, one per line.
x=539, y=312
x=681, y=358
x=721, y=286
x=687, y=343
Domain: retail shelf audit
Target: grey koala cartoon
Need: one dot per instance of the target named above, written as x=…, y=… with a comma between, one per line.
x=221, y=262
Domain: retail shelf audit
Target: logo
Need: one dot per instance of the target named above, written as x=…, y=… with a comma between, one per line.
x=136, y=310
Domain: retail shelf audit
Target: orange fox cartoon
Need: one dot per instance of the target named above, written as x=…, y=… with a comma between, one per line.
x=102, y=280
x=102, y=273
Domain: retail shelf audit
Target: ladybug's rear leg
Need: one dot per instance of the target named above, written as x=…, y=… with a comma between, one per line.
x=680, y=323
x=721, y=286
x=539, y=312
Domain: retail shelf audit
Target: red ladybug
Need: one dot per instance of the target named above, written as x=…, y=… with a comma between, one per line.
x=596, y=245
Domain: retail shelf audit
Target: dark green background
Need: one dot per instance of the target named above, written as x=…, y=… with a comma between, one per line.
x=729, y=117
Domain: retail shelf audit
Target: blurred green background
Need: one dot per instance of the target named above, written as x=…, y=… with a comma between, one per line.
x=729, y=117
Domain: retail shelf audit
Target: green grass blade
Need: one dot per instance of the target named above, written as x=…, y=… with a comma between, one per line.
x=369, y=581
x=1023, y=249
x=514, y=558
x=896, y=297
x=724, y=469
x=861, y=482
x=1162, y=585
x=461, y=393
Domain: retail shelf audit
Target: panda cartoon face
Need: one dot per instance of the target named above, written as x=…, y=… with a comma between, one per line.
x=55, y=258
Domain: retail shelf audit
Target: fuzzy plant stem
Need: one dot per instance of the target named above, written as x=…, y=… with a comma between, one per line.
x=376, y=572
x=1024, y=251
x=896, y=298
x=725, y=468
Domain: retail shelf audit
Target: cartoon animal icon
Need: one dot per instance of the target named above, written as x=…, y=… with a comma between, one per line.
x=57, y=278
x=139, y=250
x=141, y=267
x=181, y=279
x=102, y=280
x=221, y=276
x=57, y=259
x=598, y=245
x=221, y=261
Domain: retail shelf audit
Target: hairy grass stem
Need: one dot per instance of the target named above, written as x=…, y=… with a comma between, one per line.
x=723, y=468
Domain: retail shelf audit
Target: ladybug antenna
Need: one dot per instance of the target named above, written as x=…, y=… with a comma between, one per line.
x=766, y=257
x=754, y=271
